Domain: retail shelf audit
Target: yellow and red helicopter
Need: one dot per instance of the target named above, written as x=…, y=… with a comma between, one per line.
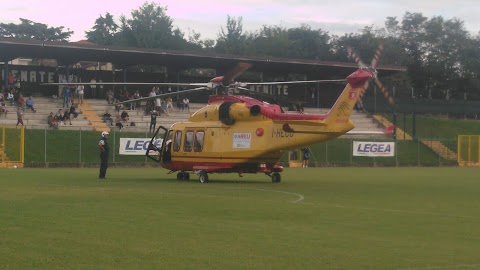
x=240, y=134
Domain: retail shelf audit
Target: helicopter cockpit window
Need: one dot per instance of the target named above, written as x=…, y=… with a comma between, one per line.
x=177, y=141
x=198, y=145
x=187, y=145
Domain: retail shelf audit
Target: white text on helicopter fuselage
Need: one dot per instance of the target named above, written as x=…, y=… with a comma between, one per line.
x=279, y=133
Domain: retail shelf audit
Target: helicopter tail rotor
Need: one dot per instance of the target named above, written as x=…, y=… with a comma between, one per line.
x=355, y=57
x=385, y=92
x=377, y=55
x=372, y=69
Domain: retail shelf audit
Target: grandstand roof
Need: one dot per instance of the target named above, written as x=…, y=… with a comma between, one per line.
x=69, y=53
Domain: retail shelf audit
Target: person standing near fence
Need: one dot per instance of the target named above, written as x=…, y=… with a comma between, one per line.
x=103, y=146
x=19, y=116
x=153, y=121
x=305, y=157
x=80, y=93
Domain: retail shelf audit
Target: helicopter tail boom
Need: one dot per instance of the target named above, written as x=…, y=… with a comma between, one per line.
x=340, y=113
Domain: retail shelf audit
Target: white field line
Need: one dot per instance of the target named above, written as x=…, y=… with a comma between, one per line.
x=300, y=196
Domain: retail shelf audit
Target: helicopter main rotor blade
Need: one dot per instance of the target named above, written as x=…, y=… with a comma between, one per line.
x=127, y=83
x=277, y=98
x=164, y=95
x=385, y=92
x=246, y=90
x=293, y=82
x=230, y=76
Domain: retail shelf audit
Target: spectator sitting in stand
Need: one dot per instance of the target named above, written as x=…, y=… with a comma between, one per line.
x=59, y=117
x=10, y=97
x=125, y=117
x=118, y=122
x=30, y=104
x=73, y=111
x=152, y=92
x=163, y=107
x=52, y=121
x=66, y=116
x=107, y=118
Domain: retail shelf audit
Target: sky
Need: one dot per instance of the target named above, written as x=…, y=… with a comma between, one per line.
x=207, y=17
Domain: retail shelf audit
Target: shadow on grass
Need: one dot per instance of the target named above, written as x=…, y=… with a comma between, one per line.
x=194, y=179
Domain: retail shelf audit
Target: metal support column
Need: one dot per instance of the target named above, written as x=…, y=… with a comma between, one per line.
x=5, y=78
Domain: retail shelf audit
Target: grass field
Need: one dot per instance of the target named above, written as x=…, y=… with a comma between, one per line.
x=317, y=218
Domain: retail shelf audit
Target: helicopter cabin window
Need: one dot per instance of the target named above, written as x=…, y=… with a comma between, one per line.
x=177, y=141
x=187, y=144
x=198, y=145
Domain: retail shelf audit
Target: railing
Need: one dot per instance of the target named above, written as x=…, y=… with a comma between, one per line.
x=49, y=147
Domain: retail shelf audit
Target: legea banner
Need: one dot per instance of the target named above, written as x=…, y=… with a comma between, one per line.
x=373, y=149
x=136, y=146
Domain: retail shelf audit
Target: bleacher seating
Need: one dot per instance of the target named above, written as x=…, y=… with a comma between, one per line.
x=38, y=119
x=90, y=115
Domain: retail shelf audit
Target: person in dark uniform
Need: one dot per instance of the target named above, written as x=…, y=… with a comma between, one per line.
x=305, y=157
x=103, y=146
x=153, y=121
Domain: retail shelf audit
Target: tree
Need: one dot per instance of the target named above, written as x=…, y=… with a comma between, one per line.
x=32, y=30
x=270, y=40
x=364, y=44
x=306, y=42
x=436, y=48
x=298, y=42
x=104, y=30
x=150, y=27
x=196, y=43
x=232, y=40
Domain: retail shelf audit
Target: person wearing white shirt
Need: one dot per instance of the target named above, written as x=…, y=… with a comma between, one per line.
x=80, y=93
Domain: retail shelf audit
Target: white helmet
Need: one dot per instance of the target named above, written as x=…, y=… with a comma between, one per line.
x=105, y=134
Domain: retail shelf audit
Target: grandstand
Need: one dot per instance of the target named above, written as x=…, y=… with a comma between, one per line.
x=38, y=119
x=90, y=116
